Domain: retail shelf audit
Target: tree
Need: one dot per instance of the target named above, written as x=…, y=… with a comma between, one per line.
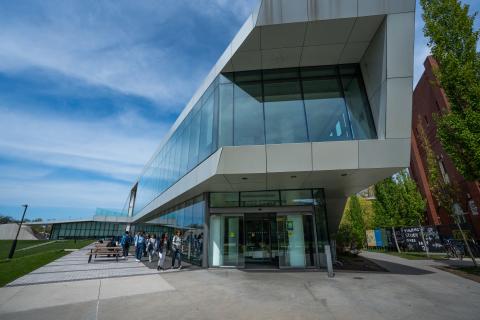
x=352, y=232
x=443, y=190
x=453, y=42
x=6, y=219
x=398, y=203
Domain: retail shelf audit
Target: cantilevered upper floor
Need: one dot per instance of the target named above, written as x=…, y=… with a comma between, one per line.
x=309, y=94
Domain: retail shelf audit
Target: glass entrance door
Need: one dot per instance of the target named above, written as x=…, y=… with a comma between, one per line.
x=260, y=240
x=226, y=240
x=296, y=247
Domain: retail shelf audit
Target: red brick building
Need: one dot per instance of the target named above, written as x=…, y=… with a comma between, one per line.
x=429, y=99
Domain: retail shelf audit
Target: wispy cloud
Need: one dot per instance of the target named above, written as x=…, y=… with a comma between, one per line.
x=142, y=47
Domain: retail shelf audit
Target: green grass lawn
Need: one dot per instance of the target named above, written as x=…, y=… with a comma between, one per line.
x=28, y=260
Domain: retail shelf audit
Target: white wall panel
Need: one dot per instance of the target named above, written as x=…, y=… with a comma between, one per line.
x=294, y=11
x=321, y=55
x=384, y=153
x=328, y=32
x=400, y=38
x=399, y=107
x=372, y=7
x=283, y=36
x=365, y=28
x=270, y=13
x=328, y=9
x=242, y=159
x=353, y=52
x=281, y=58
x=335, y=155
x=247, y=60
x=396, y=6
x=289, y=157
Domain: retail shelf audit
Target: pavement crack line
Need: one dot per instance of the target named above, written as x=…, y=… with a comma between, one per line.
x=98, y=299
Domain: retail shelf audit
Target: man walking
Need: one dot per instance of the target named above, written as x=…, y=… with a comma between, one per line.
x=140, y=246
x=125, y=243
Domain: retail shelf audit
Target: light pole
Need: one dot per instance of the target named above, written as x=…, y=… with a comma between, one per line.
x=14, y=244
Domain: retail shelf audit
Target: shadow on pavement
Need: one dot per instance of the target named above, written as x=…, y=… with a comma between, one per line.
x=397, y=268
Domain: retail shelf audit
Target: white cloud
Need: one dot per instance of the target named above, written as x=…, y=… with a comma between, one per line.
x=117, y=147
x=132, y=47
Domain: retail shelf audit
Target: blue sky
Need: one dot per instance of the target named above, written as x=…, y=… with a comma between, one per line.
x=88, y=89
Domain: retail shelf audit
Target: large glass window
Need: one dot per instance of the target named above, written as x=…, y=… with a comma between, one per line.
x=260, y=198
x=206, y=129
x=256, y=107
x=225, y=123
x=360, y=114
x=325, y=108
x=284, y=112
x=224, y=199
x=248, y=114
x=194, y=136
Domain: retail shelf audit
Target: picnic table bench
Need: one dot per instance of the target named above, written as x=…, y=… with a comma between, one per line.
x=101, y=249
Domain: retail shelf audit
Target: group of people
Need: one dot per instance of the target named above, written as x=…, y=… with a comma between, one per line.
x=149, y=244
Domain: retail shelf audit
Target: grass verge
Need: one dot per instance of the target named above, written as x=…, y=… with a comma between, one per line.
x=470, y=273
x=415, y=255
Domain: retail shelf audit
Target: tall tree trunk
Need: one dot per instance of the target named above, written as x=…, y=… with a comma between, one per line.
x=466, y=243
x=424, y=242
x=396, y=241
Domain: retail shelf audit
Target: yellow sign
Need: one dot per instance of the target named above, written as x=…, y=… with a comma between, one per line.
x=371, y=242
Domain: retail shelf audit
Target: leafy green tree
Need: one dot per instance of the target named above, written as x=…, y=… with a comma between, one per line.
x=412, y=205
x=398, y=203
x=444, y=191
x=6, y=219
x=352, y=232
x=453, y=43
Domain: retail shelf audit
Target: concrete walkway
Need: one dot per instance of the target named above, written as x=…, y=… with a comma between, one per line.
x=75, y=267
x=412, y=289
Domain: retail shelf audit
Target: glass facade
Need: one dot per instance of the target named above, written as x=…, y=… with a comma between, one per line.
x=87, y=230
x=189, y=219
x=294, y=105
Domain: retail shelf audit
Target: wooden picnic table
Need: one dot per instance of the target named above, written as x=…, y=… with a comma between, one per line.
x=101, y=249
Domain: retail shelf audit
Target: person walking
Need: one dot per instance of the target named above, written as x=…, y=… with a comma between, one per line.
x=140, y=247
x=176, y=250
x=162, y=251
x=125, y=243
x=151, y=247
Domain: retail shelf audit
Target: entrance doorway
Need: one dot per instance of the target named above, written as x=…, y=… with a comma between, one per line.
x=263, y=240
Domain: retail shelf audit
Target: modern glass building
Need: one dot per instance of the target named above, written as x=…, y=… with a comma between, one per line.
x=309, y=104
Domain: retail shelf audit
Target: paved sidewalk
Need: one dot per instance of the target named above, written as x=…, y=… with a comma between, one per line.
x=75, y=267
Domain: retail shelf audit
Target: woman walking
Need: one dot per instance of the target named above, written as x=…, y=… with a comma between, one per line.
x=151, y=247
x=162, y=252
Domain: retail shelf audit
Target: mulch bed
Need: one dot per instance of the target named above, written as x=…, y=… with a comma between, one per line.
x=357, y=263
